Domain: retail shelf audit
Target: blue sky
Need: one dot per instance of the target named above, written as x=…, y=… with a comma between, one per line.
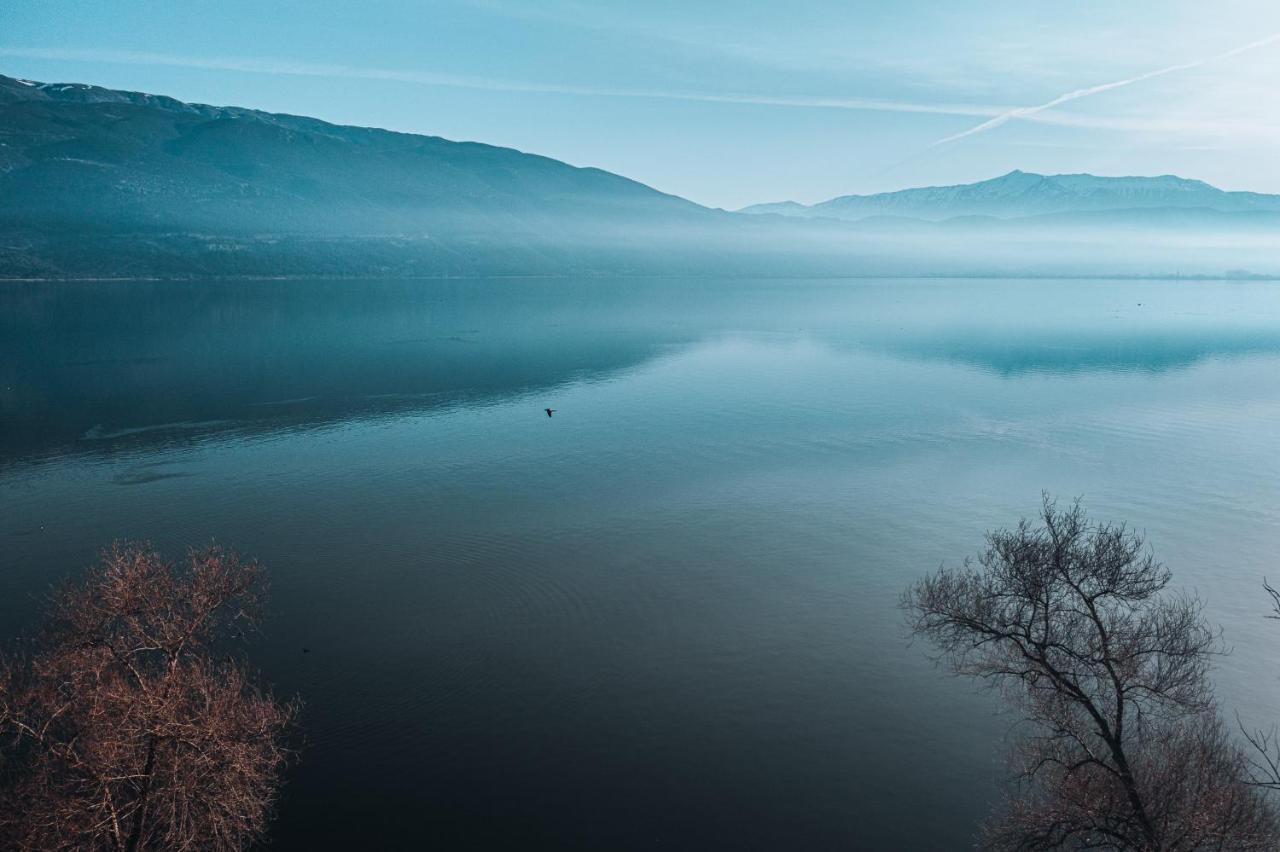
x=726, y=103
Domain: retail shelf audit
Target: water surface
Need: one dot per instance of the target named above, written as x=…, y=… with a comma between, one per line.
x=666, y=617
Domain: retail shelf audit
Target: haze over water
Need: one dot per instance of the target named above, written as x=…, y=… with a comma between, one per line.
x=667, y=616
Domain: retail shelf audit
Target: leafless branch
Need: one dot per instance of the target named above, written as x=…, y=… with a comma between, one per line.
x=1075, y=622
x=123, y=730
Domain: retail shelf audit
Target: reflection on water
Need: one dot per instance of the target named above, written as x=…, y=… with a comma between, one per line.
x=97, y=368
x=664, y=618
x=1125, y=348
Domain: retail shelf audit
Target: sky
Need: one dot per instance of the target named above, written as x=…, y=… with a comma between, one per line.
x=725, y=103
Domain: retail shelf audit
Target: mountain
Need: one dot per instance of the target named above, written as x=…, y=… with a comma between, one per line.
x=99, y=183
x=94, y=180
x=1021, y=194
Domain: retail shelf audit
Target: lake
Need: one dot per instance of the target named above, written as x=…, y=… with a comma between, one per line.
x=666, y=617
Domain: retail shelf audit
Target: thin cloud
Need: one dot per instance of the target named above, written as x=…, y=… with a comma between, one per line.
x=429, y=78
x=1032, y=111
x=995, y=114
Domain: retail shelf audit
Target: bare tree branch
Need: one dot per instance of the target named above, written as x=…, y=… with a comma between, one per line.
x=1075, y=622
x=124, y=730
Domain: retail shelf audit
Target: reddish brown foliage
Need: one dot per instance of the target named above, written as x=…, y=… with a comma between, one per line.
x=127, y=726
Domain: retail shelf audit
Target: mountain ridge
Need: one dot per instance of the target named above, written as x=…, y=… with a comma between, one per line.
x=1019, y=194
x=97, y=181
x=98, y=129
x=88, y=93
x=103, y=183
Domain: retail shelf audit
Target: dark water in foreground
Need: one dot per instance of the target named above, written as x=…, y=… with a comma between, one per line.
x=665, y=618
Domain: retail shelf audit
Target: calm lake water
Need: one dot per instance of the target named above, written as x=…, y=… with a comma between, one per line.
x=666, y=617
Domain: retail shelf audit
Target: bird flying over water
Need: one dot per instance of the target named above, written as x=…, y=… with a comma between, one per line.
x=550, y=411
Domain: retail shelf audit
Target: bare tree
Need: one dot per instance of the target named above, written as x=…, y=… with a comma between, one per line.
x=127, y=726
x=1124, y=749
x=1264, y=755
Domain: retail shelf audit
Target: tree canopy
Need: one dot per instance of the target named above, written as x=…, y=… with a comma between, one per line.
x=129, y=723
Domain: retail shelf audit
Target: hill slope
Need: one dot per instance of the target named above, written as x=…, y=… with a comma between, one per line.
x=97, y=183
x=1020, y=194
x=182, y=179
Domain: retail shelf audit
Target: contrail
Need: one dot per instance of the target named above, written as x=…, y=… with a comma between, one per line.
x=1031, y=111
x=258, y=65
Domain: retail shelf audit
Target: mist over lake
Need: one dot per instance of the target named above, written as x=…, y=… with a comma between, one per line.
x=667, y=616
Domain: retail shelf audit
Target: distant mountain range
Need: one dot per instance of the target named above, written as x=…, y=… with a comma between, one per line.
x=96, y=182
x=1021, y=194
